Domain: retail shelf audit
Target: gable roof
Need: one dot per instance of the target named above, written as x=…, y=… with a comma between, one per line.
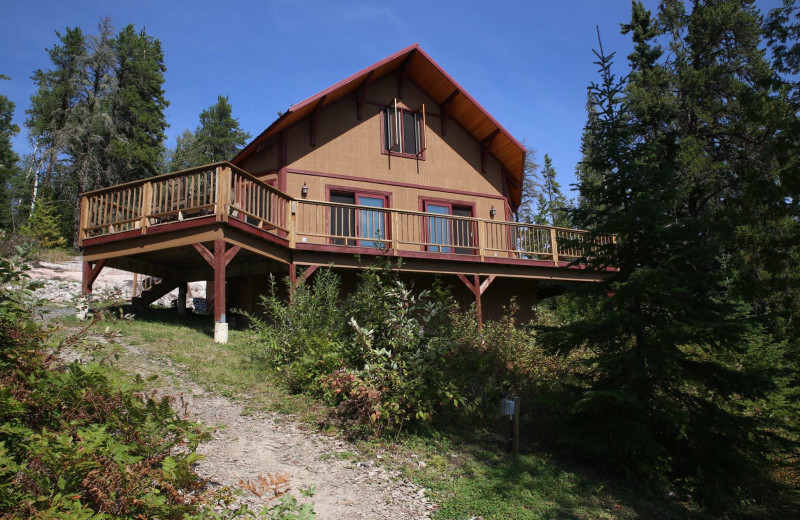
x=437, y=84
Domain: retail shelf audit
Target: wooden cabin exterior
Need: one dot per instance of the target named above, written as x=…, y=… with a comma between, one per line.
x=396, y=160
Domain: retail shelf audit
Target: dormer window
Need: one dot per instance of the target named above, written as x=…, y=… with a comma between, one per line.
x=404, y=131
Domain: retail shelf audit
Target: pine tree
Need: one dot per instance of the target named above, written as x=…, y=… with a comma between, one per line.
x=8, y=159
x=97, y=116
x=551, y=204
x=186, y=154
x=138, y=106
x=530, y=188
x=219, y=137
x=673, y=155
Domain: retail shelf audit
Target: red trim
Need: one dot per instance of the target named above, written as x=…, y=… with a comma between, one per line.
x=407, y=51
x=449, y=202
x=114, y=237
x=155, y=229
x=387, y=196
x=384, y=151
x=394, y=183
x=233, y=222
x=207, y=255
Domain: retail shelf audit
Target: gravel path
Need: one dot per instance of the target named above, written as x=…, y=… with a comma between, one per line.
x=246, y=446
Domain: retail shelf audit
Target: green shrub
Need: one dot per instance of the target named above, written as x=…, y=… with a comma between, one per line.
x=78, y=442
x=43, y=225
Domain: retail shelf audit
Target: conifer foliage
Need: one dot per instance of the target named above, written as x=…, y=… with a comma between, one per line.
x=681, y=163
x=97, y=117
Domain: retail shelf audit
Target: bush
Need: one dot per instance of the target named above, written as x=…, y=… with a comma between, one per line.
x=43, y=225
x=76, y=442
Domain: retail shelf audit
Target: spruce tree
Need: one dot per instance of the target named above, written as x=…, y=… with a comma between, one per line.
x=551, y=204
x=219, y=137
x=138, y=106
x=675, y=153
x=8, y=160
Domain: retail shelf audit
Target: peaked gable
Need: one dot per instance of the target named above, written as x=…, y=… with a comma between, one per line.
x=414, y=64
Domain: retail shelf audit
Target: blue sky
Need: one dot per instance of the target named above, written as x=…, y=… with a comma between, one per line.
x=527, y=62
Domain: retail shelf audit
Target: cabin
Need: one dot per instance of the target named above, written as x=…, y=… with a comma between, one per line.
x=397, y=161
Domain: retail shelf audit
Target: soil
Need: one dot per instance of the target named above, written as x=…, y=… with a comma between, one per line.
x=348, y=485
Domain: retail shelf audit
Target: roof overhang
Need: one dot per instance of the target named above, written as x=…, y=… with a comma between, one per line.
x=436, y=83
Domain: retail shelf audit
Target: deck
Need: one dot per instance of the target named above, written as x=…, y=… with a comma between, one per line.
x=218, y=221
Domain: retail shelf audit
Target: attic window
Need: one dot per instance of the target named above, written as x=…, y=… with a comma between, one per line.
x=404, y=131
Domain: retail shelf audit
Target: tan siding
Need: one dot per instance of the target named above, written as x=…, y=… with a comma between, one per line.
x=265, y=160
x=346, y=146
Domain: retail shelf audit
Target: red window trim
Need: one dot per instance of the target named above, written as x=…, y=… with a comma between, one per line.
x=387, y=197
x=384, y=151
x=449, y=202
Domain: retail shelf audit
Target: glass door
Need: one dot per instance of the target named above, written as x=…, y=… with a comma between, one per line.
x=371, y=224
x=450, y=235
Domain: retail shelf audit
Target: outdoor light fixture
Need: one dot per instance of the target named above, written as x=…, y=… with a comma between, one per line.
x=304, y=190
x=493, y=212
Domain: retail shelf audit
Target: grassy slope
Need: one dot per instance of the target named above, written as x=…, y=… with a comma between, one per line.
x=467, y=477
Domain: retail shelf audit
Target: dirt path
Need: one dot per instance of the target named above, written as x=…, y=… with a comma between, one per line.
x=246, y=446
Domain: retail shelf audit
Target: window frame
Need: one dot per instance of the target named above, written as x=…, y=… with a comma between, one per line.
x=424, y=201
x=421, y=124
x=355, y=240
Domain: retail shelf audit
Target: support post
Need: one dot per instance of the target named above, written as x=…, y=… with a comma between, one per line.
x=182, y=299
x=554, y=246
x=147, y=202
x=515, y=442
x=91, y=270
x=477, y=288
x=220, y=322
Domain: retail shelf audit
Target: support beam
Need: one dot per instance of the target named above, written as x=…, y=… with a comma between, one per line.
x=309, y=271
x=181, y=306
x=361, y=94
x=486, y=144
x=315, y=120
x=207, y=255
x=283, y=159
x=477, y=288
x=91, y=270
x=402, y=73
x=230, y=253
x=446, y=105
x=219, y=281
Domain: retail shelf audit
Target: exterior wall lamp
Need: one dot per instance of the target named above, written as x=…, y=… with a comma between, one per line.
x=304, y=190
x=493, y=211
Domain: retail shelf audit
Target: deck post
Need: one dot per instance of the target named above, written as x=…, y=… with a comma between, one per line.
x=181, y=306
x=477, y=288
x=147, y=201
x=554, y=246
x=84, y=219
x=220, y=322
x=478, y=307
x=91, y=270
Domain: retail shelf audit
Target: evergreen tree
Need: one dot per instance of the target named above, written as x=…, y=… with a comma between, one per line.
x=676, y=160
x=8, y=159
x=530, y=188
x=97, y=116
x=551, y=204
x=138, y=106
x=219, y=137
x=186, y=154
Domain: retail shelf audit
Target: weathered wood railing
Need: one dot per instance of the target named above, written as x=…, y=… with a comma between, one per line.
x=394, y=230
x=226, y=192
x=219, y=189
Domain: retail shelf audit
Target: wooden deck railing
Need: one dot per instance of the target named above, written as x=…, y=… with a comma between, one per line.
x=224, y=191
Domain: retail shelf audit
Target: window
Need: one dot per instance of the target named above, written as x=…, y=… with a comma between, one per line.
x=366, y=226
x=454, y=235
x=404, y=131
